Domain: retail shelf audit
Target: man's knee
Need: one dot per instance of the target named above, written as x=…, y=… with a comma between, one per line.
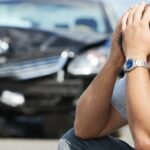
x=64, y=144
x=69, y=141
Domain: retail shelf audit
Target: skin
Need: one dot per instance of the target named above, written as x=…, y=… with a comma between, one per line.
x=136, y=44
x=94, y=106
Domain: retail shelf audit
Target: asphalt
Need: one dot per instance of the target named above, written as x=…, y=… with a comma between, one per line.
x=23, y=144
x=17, y=144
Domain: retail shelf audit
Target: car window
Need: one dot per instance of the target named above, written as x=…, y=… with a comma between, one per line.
x=51, y=16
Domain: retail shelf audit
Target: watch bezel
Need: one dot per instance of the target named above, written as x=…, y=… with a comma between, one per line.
x=126, y=68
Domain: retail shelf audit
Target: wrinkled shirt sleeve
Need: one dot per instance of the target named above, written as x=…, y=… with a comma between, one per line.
x=119, y=97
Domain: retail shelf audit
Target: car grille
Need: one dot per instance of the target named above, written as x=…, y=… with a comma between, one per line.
x=34, y=68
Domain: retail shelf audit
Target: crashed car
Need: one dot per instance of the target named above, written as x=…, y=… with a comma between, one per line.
x=49, y=53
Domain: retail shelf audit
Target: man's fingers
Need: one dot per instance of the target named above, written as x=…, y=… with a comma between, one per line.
x=124, y=20
x=119, y=24
x=120, y=20
x=139, y=12
x=131, y=15
x=146, y=15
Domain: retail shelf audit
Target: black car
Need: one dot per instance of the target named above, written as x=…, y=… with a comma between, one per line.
x=49, y=53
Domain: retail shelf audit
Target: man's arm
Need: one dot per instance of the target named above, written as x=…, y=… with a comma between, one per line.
x=94, y=107
x=138, y=93
x=136, y=43
x=95, y=115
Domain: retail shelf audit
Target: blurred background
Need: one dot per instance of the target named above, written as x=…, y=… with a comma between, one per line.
x=50, y=50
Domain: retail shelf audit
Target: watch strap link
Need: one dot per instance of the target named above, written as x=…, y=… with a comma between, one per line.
x=141, y=63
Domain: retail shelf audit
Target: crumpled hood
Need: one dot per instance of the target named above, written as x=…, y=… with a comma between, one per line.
x=34, y=53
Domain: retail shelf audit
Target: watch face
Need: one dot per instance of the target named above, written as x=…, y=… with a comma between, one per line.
x=129, y=64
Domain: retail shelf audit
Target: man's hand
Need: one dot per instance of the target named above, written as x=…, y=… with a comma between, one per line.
x=117, y=56
x=136, y=44
x=136, y=38
x=94, y=106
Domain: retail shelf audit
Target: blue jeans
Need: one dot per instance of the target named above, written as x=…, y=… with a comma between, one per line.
x=70, y=142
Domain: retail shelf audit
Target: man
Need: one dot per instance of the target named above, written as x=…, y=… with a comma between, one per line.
x=102, y=108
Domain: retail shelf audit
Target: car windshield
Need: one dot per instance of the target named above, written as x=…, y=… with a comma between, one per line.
x=51, y=16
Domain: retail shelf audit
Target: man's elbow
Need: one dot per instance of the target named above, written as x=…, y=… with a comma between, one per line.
x=83, y=133
x=80, y=133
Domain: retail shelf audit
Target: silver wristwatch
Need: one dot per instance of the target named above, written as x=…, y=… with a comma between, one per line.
x=130, y=64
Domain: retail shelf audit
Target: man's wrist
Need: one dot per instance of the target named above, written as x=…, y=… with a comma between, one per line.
x=138, y=56
x=131, y=64
x=114, y=65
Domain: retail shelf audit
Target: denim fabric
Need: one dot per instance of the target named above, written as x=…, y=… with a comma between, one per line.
x=70, y=142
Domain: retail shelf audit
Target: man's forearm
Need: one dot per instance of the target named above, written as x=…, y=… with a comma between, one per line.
x=93, y=107
x=138, y=105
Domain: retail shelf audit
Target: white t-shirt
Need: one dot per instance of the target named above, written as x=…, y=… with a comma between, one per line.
x=119, y=97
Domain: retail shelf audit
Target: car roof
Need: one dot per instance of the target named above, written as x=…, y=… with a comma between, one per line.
x=57, y=1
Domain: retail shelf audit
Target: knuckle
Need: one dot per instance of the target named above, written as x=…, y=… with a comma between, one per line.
x=141, y=25
x=130, y=27
x=147, y=7
x=134, y=25
x=121, y=23
x=122, y=26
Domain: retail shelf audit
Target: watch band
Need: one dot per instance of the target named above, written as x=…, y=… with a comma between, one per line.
x=131, y=63
x=141, y=63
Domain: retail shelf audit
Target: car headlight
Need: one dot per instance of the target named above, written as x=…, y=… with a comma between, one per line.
x=88, y=63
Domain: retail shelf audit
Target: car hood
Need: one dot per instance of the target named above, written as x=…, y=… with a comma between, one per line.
x=30, y=53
